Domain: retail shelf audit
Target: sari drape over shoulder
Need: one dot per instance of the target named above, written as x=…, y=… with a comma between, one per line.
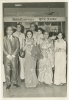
x=30, y=65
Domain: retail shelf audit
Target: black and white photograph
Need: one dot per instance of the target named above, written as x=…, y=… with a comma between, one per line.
x=35, y=49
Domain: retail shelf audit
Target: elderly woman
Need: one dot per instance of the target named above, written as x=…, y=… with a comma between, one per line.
x=47, y=62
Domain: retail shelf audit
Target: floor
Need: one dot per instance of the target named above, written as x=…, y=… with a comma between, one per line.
x=42, y=90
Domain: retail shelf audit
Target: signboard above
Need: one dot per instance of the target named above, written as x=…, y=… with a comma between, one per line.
x=33, y=19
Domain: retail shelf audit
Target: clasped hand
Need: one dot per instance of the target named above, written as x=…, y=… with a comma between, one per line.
x=10, y=57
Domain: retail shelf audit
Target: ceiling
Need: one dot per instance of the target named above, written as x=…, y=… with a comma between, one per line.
x=35, y=5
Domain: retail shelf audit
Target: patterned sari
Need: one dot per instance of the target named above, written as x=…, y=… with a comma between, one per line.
x=47, y=62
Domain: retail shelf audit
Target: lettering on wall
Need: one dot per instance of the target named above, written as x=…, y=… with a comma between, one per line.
x=34, y=19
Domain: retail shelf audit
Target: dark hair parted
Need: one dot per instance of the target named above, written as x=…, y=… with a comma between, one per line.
x=63, y=35
x=19, y=25
x=29, y=31
x=41, y=30
x=32, y=24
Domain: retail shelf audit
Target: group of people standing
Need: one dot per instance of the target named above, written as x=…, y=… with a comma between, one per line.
x=41, y=55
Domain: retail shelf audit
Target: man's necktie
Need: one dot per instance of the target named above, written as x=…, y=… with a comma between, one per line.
x=10, y=40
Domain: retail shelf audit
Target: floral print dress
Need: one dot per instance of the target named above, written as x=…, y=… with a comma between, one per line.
x=47, y=62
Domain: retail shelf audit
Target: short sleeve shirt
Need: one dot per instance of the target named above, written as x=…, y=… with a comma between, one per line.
x=21, y=37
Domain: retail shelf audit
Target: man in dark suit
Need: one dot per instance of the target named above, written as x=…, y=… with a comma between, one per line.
x=11, y=47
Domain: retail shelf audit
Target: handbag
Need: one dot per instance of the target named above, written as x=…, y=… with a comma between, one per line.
x=22, y=53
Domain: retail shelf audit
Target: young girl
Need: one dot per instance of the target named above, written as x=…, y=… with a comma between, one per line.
x=60, y=61
x=30, y=62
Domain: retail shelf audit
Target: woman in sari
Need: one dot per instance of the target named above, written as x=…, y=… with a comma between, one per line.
x=47, y=62
x=60, y=61
x=30, y=62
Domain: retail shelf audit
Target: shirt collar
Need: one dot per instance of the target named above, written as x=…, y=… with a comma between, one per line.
x=9, y=36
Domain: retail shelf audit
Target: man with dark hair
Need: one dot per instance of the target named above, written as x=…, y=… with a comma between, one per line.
x=11, y=48
x=21, y=37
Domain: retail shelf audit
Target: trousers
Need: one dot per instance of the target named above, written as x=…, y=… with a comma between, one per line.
x=11, y=68
x=22, y=67
x=37, y=68
x=3, y=73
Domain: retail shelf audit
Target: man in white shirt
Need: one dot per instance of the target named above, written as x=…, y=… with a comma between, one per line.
x=21, y=37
